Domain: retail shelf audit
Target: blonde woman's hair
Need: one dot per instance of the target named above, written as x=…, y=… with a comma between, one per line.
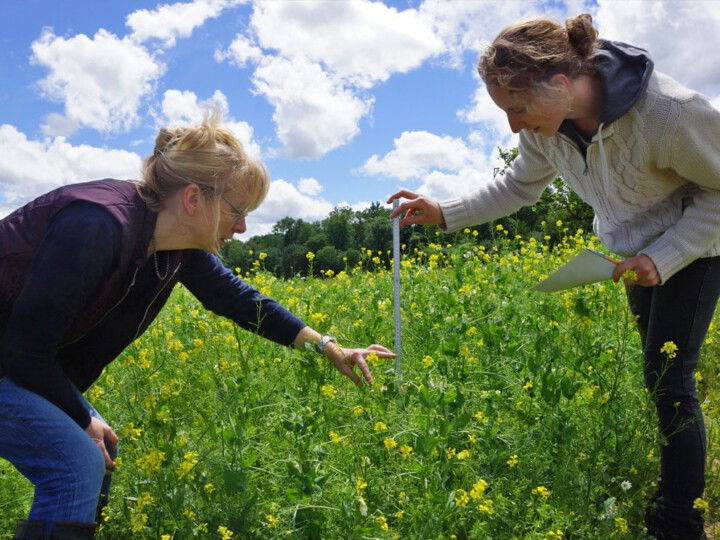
x=207, y=155
x=525, y=55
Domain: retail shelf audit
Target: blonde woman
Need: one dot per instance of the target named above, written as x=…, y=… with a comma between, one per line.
x=644, y=152
x=84, y=270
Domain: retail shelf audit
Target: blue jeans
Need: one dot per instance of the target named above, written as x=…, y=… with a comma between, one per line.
x=679, y=311
x=54, y=454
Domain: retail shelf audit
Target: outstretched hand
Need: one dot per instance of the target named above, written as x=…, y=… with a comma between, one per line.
x=346, y=362
x=418, y=210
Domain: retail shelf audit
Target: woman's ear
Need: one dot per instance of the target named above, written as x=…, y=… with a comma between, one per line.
x=191, y=195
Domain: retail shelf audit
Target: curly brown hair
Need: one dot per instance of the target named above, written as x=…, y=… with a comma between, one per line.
x=526, y=54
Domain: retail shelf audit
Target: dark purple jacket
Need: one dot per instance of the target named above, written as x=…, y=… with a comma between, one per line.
x=47, y=351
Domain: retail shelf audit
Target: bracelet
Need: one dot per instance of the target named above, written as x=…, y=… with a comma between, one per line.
x=320, y=345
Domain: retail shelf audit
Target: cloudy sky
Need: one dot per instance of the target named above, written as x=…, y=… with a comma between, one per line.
x=345, y=101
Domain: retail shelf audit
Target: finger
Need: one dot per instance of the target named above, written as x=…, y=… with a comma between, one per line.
x=413, y=218
x=619, y=270
x=362, y=364
x=109, y=463
x=403, y=193
x=381, y=351
x=408, y=206
x=111, y=438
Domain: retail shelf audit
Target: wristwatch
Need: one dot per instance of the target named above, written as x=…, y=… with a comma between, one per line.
x=320, y=345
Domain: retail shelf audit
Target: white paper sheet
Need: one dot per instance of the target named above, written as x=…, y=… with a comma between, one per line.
x=588, y=266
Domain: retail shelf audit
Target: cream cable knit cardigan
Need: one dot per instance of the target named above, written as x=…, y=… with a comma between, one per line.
x=652, y=177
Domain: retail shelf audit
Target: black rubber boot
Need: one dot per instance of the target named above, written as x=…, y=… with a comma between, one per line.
x=30, y=530
x=69, y=530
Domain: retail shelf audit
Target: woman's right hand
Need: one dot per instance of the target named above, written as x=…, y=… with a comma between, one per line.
x=100, y=432
x=418, y=210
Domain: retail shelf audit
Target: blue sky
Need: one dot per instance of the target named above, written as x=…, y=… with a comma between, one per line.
x=345, y=101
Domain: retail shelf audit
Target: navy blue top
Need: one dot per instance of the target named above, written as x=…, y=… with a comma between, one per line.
x=79, y=249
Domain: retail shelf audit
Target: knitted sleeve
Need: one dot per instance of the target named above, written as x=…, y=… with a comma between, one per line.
x=693, y=152
x=521, y=185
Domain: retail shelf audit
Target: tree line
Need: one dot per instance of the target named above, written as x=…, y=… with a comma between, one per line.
x=338, y=241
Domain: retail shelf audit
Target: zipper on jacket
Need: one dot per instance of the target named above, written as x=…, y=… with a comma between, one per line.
x=132, y=283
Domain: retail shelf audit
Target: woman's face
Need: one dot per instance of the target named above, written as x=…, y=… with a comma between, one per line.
x=232, y=216
x=527, y=111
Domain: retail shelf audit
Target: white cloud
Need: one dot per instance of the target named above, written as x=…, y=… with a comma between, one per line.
x=716, y=103
x=29, y=168
x=285, y=200
x=309, y=186
x=446, y=166
x=168, y=22
x=240, y=52
x=680, y=36
x=100, y=81
x=416, y=153
x=313, y=112
x=361, y=42
x=182, y=107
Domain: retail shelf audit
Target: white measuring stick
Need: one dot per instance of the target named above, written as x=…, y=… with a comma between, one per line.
x=396, y=291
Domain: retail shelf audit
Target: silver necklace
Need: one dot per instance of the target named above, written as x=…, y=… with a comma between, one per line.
x=157, y=267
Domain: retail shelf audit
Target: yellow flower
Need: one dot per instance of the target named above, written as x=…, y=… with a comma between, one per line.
x=701, y=504
x=478, y=489
x=328, y=391
x=427, y=361
x=464, y=454
x=389, y=443
x=498, y=227
x=360, y=485
x=358, y=410
x=669, y=349
x=225, y=533
x=335, y=438
x=528, y=386
x=380, y=426
x=512, y=461
x=486, y=506
x=310, y=256
x=145, y=499
x=621, y=524
x=405, y=451
x=209, y=488
x=382, y=522
x=542, y=491
x=461, y=497
x=262, y=255
x=450, y=453
x=190, y=459
x=480, y=417
x=138, y=521
x=151, y=462
x=629, y=276
x=272, y=521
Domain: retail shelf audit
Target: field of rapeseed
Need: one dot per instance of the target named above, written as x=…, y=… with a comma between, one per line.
x=519, y=415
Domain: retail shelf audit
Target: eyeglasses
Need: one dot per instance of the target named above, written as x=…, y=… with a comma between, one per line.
x=237, y=214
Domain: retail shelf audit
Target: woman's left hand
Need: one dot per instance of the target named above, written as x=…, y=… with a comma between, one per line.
x=347, y=359
x=644, y=268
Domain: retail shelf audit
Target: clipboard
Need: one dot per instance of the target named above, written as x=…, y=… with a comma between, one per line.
x=588, y=266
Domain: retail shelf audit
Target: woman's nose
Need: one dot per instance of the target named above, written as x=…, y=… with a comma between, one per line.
x=515, y=124
x=240, y=226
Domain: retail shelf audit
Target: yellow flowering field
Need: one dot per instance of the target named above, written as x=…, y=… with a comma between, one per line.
x=519, y=415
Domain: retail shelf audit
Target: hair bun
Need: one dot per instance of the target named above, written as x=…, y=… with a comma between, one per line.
x=581, y=34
